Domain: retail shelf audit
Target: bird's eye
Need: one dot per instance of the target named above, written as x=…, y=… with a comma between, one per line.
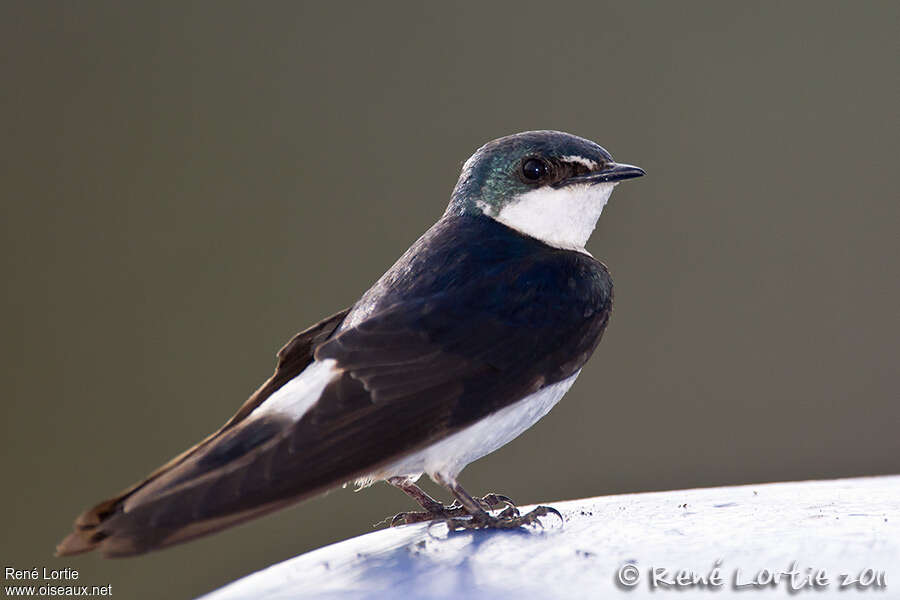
x=534, y=169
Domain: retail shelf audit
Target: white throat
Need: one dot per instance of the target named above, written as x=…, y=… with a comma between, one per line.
x=564, y=217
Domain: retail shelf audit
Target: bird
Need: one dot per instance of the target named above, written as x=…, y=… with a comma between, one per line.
x=471, y=337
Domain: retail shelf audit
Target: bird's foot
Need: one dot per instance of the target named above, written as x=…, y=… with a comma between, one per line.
x=454, y=511
x=509, y=518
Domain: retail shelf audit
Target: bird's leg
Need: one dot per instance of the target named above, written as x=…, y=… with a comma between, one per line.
x=434, y=509
x=479, y=518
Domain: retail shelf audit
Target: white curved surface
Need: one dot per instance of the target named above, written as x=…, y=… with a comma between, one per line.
x=840, y=526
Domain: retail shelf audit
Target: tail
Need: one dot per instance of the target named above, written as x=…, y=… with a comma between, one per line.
x=220, y=482
x=262, y=464
x=203, y=490
x=107, y=529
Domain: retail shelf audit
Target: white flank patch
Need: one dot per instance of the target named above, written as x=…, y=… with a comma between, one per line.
x=450, y=456
x=299, y=394
x=563, y=217
x=572, y=158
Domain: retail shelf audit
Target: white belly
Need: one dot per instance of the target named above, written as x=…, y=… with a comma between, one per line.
x=450, y=456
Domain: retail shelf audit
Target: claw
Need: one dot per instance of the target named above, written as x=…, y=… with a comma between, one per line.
x=456, y=517
x=408, y=518
x=491, y=500
x=509, y=518
x=457, y=524
x=553, y=511
x=399, y=519
x=510, y=512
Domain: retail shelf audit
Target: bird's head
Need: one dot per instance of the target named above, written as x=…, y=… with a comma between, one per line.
x=546, y=184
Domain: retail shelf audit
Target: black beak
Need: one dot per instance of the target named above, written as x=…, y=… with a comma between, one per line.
x=610, y=172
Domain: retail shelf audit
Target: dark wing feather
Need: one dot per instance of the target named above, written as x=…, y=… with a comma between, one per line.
x=292, y=359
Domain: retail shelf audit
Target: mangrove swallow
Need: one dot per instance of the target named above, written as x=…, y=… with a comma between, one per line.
x=473, y=335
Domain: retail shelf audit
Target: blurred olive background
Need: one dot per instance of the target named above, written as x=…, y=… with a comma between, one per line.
x=184, y=186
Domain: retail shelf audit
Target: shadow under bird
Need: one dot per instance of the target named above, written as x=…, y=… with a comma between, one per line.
x=472, y=336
